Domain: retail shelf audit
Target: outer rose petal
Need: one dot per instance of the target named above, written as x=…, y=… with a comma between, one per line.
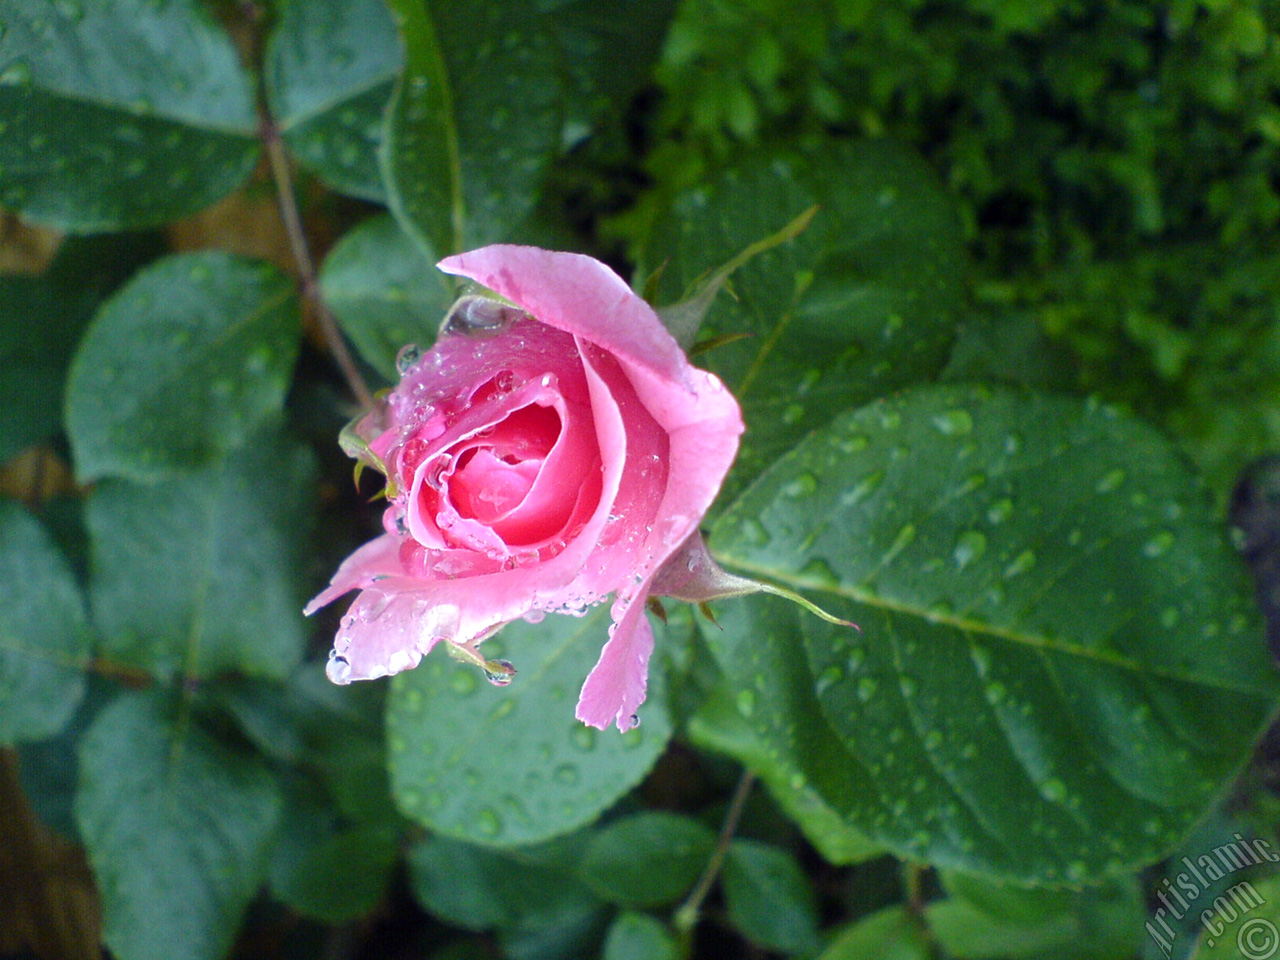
x=616, y=687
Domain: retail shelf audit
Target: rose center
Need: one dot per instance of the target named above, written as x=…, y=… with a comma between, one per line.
x=488, y=487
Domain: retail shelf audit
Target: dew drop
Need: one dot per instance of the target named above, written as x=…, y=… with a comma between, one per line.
x=932, y=740
x=954, y=423
x=16, y=74
x=1012, y=444
x=1021, y=564
x=969, y=547
x=792, y=414
x=746, y=702
x=754, y=533
x=1158, y=545
x=907, y=685
x=862, y=489
x=1111, y=481
x=866, y=688
x=972, y=482
x=827, y=679
x=981, y=658
x=566, y=773
x=479, y=316
x=499, y=672
x=1000, y=511
x=854, y=444
x=338, y=670
x=1169, y=617
x=488, y=822
x=584, y=738
x=1053, y=790
x=995, y=692
x=408, y=357
x=802, y=486
x=856, y=658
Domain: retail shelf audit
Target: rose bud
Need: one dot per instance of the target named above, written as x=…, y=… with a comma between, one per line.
x=555, y=447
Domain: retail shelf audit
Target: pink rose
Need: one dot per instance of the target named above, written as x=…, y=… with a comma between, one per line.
x=553, y=447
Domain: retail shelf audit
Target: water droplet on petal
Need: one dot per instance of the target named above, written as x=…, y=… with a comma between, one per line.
x=338, y=670
x=499, y=672
x=408, y=357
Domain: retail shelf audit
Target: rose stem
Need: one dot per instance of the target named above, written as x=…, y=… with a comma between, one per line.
x=285, y=194
x=687, y=916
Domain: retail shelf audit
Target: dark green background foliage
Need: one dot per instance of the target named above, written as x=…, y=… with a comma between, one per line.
x=997, y=393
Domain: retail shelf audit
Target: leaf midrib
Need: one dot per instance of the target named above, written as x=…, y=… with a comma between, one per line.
x=985, y=629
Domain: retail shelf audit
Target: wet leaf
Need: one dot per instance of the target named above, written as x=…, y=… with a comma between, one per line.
x=44, y=638
x=119, y=115
x=510, y=765
x=1060, y=661
x=864, y=301
x=179, y=862
x=181, y=365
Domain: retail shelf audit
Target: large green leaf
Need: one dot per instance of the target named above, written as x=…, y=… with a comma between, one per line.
x=177, y=827
x=384, y=292
x=648, y=859
x=44, y=640
x=329, y=71
x=1060, y=662
x=182, y=364
x=117, y=114
x=200, y=575
x=863, y=302
x=461, y=163
x=511, y=766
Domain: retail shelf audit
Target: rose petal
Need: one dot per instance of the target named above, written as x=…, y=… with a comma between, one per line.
x=617, y=684
x=579, y=295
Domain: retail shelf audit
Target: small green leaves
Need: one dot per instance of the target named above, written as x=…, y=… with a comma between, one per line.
x=119, y=115
x=769, y=898
x=453, y=738
x=181, y=365
x=200, y=575
x=1036, y=579
x=177, y=863
x=44, y=640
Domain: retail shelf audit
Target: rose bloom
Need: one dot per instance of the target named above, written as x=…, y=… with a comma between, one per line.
x=554, y=447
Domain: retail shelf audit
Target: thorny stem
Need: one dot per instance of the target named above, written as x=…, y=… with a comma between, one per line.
x=686, y=918
x=283, y=178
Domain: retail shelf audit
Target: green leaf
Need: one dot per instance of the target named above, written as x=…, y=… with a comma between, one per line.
x=986, y=919
x=119, y=115
x=1060, y=661
x=769, y=899
x=177, y=827
x=384, y=292
x=44, y=640
x=1241, y=923
x=324, y=869
x=200, y=575
x=861, y=303
x=181, y=365
x=889, y=934
x=638, y=936
x=511, y=765
x=727, y=722
x=481, y=888
x=461, y=165
x=329, y=70
x=648, y=859
x=608, y=49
